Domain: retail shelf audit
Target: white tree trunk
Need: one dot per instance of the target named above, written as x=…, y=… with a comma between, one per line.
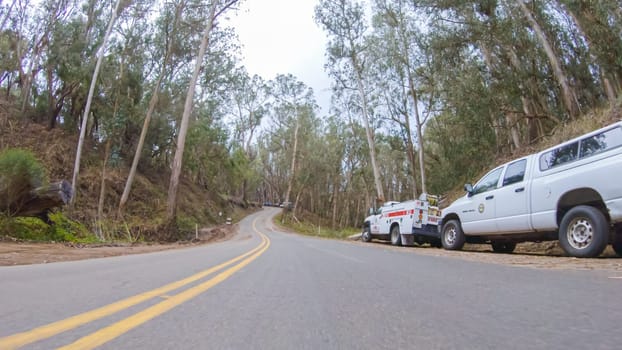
x=143, y=133
x=293, y=164
x=183, y=128
x=368, y=132
x=89, y=100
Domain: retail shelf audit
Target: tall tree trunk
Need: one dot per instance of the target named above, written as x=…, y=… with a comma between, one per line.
x=87, y=108
x=152, y=104
x=368, y=131
x=292, y=168
x=102, y=191
x=333, y=220
x=419, y=128
x=568, y=96
x=171, y=211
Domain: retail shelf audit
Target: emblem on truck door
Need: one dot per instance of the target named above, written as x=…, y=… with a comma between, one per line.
x=481, y=208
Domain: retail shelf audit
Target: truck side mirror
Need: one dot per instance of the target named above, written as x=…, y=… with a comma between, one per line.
x=469, y=189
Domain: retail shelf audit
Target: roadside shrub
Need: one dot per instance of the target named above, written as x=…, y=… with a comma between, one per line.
x=20, y=172
x=60, y=229
x=64, y=229
x=185, y=226
x=27, y=228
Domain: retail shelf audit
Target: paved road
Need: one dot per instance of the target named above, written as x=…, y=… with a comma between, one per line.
x=271, y=290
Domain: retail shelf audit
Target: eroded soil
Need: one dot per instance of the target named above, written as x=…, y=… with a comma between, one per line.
x=24, y=253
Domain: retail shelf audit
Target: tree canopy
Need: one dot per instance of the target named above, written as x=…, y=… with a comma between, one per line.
x=425, y=93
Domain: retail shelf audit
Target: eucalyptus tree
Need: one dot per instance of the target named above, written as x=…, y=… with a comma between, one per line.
x=165, y=41
x=568, y=94
x=357, y=176
x=46, y=19
x=76, y=168
x=216, y=8
x=14, y=42
x=249, y=104
x=293, y=103
x=599, y=24
x=411, y=92
x=230, y=171
x=345, y=23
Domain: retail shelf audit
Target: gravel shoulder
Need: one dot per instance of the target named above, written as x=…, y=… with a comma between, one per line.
x=25, y=253
x=546, y=255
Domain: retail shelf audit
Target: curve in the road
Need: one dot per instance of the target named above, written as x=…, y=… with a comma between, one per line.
x=108, y=333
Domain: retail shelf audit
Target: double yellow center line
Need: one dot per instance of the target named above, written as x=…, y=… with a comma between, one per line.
x=114, y=330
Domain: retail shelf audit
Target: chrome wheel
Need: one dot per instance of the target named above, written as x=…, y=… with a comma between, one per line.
x=450, y=235
x=580, y=232
x=584, y=232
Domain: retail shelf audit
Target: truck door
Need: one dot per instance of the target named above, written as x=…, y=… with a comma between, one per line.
x=478, y=216
x=511, y=199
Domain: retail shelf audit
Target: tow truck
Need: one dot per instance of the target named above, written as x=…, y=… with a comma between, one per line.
x=405, y=223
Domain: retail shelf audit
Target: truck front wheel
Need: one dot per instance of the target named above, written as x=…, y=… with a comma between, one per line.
x=366, y=235
x=452, y=236
x=584, y=232
x=396, y=237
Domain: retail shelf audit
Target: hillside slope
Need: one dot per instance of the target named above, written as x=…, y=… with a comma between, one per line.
x=146, y=208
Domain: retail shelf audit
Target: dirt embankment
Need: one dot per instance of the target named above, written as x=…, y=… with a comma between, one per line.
x=24, y=253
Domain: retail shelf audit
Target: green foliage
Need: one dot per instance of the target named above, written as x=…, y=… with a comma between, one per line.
x=65, y=229
x=186, y=225
x=60, y=229
x=20, y=172
x=32, y=229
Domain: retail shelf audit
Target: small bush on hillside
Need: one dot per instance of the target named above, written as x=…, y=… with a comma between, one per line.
x=26, y=228
x=20, y=172
x=61, y=229
x=185, y=227
x=64, y=229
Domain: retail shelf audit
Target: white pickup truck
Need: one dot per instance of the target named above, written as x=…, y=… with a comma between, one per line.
x=571, y=192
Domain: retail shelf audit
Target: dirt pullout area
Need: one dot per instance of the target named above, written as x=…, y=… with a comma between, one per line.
x=25, y=253
x=547, y=255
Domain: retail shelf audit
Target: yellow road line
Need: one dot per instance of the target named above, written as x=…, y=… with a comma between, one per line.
x=51, y=329
x=115, y=330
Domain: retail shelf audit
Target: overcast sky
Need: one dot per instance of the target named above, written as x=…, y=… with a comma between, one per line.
x=281, y=37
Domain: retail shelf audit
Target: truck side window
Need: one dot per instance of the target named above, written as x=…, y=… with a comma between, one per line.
x=558, y=156
x=515, y=172
x=488, y=182
x=601, y=142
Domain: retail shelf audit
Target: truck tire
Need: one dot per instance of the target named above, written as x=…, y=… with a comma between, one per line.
x=503, y=247
x=366, y=235
x=452, y=237
x=584, y=232
x=396, y=237
x=616, y=244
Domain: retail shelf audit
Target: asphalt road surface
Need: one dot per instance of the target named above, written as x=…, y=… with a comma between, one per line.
x=266, y=289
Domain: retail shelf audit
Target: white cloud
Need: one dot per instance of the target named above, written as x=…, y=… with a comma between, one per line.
x=281, y=37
